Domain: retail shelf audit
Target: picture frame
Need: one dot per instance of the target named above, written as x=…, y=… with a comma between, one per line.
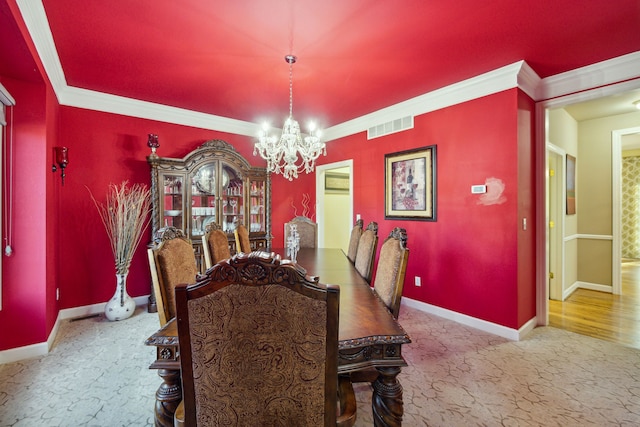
x=410, y=184
x=571, y=185
x=335, y=182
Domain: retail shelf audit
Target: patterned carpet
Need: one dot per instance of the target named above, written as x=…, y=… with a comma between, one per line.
x=97, y=375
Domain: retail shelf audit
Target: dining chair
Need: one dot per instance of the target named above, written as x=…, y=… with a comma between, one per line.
x=243, y=244
x=392, y=266
x=356, y=232
x=215, y=245
x=388, y=285
x=258, y=342
x=366, y=254
x=307, y=230
x=171, y=261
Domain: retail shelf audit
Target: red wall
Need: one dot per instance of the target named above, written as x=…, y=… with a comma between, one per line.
x=469, y=259
x=26, y=312
x=103, y=149
x=476, y=259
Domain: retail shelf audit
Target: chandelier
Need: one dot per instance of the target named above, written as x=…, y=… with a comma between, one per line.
x=290, y=154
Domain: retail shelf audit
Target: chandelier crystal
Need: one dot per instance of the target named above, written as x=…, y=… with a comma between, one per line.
x=290, y=154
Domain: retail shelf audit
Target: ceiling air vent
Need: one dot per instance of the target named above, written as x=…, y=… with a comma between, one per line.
x=393, y=126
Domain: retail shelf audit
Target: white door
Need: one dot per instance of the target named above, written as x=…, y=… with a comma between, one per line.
x=555, y=215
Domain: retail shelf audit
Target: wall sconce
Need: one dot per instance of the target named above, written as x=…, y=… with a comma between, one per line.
x=61, y=157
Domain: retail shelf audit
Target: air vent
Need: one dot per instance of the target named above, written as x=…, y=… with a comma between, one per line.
x=393, y=126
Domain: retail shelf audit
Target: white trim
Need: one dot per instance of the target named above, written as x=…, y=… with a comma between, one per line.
x=587, y=285
x=495, y=81
x=98, y=101
x=35, y=18
x=5, y=96
x=41, y=349
x=542, y=267
x=483, y=325
x=588, y=237
x=595, y=287
x=619, y=69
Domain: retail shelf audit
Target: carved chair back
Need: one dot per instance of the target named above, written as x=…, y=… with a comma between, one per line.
x=215, y=245
x=392, y=266
x=243, y=244
x=258, y=344
x=366, y=254
x=171, y=261
x=307, y=230
x=356, y=232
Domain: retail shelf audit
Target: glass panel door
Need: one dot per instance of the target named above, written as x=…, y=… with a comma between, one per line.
x=257, y=222
x=203, y=198
x=172, y=200
x=232, y=199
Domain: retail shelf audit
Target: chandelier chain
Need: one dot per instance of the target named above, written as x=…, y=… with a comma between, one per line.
x=291, y=87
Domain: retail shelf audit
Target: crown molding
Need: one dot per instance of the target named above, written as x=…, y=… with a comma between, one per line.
x=495, y=81
x=518, y=74
x=5, y=96
x=35, y=19
x=616, y=70
x=99, y=101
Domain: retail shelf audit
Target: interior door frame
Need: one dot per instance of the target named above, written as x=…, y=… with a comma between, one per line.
x=542, y=123
x=320, y=204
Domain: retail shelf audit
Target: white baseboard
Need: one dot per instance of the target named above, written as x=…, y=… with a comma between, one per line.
x=483, y=325
x=595, y=287
x=586, y=285
x=40, y=349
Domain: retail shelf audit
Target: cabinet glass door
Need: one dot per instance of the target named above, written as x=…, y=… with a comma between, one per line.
x=232, y=199
x=204, y=191
x=257, y=221
x=172, y=200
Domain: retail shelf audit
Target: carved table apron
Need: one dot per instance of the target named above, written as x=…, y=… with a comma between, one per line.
x=368, y=337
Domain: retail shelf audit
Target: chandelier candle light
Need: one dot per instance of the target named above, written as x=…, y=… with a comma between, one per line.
x=290, y=154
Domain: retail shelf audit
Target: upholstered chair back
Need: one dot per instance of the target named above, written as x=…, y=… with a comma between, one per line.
x=258, y=345
x=172, y=261
x=366, y=254
x=243, y=244
x=392, y=265
x=307, y=230
x=215, y=245
x=356, y=232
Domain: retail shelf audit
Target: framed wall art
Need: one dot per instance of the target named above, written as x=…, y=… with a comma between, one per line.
x=571, y=185
x=336, y=182
x=410, y=184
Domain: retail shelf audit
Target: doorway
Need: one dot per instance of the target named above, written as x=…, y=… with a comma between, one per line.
x=547, y=242
x=334, y=204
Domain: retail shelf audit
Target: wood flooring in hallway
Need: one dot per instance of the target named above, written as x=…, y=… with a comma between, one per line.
x=602, y=315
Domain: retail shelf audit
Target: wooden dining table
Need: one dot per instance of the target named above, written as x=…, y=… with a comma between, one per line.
x=368, y=336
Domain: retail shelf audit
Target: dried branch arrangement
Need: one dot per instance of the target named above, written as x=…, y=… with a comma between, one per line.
x=125, y=216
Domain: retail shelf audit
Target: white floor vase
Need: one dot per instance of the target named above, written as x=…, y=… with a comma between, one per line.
x=121, y=306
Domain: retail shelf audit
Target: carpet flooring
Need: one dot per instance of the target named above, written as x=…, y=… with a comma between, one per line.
x=97, y=375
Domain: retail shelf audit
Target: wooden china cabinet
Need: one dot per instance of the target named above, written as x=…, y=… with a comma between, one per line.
x=211, y=184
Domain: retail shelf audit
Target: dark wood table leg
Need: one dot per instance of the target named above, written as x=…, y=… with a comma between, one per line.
x=387, y=398
x=168, y=397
